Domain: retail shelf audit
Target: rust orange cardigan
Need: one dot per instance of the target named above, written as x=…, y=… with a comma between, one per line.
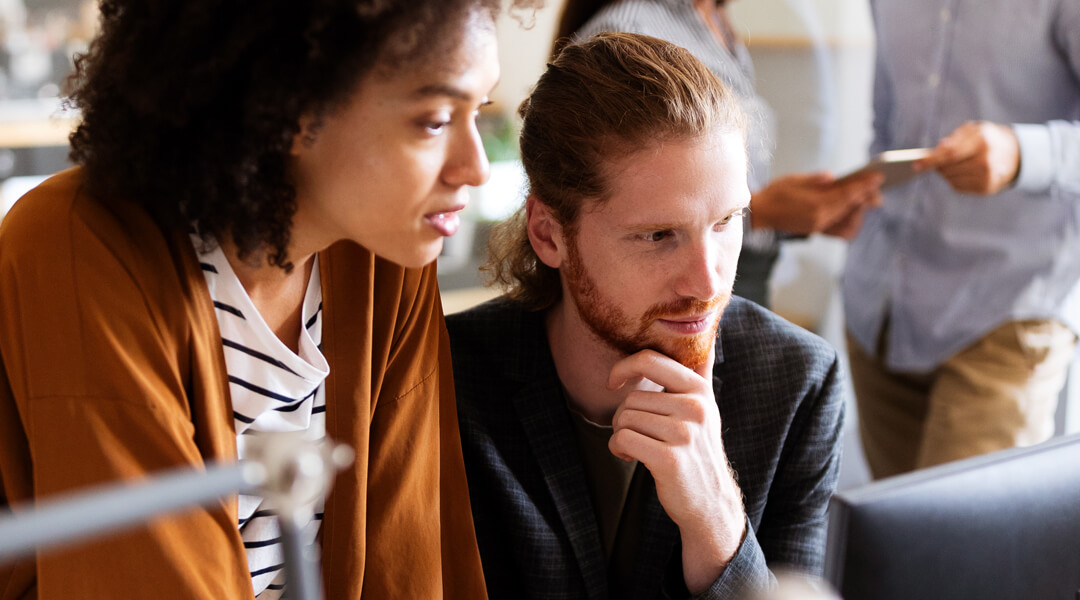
x=112, y=368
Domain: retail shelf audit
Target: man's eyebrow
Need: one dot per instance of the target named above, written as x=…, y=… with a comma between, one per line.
x=649, y=227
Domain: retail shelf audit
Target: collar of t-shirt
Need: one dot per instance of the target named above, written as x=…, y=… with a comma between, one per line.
x=273, y=389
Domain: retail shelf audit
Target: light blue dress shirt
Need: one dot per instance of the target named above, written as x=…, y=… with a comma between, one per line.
x=947, y=268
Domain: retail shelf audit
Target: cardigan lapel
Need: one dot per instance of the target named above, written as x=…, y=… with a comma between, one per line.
x=549, y=432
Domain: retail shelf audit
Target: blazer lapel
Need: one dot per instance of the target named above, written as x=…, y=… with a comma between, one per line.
x=659, y=535
x=549, y=432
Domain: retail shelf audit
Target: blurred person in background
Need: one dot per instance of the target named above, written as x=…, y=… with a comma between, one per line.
x=962, y=292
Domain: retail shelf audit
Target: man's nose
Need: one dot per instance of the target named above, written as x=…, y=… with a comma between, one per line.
x=699, y=273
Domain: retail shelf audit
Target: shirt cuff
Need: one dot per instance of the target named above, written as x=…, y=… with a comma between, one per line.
x=1036, y=162
x=745, y=576
x=759, y=239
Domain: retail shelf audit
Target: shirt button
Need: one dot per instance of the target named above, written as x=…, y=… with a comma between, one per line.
x=933, y=80
x=945, y=15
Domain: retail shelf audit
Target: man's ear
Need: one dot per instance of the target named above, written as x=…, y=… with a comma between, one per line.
x=545, y=233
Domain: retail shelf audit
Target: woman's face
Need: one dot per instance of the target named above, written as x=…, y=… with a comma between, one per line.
x=389, y=168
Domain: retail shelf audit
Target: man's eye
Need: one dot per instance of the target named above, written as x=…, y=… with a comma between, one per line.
x=656, y=236
x=436, y=127
x=742, y=212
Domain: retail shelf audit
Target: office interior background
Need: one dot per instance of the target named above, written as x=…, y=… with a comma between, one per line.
x=814, y=64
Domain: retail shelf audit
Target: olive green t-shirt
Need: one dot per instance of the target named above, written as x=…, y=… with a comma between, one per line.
x=616, y=487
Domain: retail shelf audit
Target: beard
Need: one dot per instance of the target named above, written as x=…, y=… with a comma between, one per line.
x=627, y=335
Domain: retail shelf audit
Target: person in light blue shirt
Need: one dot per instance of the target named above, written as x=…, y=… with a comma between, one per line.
x=961, y=291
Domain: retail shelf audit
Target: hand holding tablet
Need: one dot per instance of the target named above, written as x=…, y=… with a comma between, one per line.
x=896, y=166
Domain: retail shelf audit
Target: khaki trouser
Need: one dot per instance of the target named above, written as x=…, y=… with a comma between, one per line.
x=1000, y=392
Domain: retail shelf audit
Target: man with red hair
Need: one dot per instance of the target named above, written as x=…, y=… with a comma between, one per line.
x=630, y=428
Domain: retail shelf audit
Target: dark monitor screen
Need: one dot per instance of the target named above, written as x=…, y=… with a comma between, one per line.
x=1004, y=526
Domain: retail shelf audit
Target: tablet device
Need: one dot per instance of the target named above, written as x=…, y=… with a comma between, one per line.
x=895, y=165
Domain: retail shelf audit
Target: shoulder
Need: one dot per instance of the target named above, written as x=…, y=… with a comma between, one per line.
x=649, y=17
x=499, y=347
x=488, y=336
x=45, y=212
x=58, y=223
x=496, y=318
x=60, y=240
x=759, y=343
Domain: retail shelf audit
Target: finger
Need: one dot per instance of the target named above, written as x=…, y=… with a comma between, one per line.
x=679, y=406
x=662, y=428
x=841, y=203
x=955, y=147
x=964, y=180
x=968, y=185
x=628, y=445
x=871, y=199
x=860, y=182
x=973, y=172
x=812, y=178
x=849, y=226
x=859, y=191
x=655, y=367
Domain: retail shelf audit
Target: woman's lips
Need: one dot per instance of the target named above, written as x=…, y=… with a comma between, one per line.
x=447, y=222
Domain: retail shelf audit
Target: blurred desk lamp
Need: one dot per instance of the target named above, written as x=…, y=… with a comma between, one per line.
x=290, y=473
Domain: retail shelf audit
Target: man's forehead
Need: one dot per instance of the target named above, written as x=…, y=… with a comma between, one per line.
x=707, y=172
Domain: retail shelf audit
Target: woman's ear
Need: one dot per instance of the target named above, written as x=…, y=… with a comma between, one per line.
x=306, y=136
x=545, y=233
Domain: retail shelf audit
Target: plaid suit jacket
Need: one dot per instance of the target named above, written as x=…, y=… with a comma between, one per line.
x=779, y=392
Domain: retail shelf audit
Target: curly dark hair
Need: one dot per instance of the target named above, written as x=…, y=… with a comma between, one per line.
x=190, y=107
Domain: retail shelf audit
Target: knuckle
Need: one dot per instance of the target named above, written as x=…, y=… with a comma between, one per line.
x=695, y=410
x=667, y=460
x=618, y=440
x=682, y=435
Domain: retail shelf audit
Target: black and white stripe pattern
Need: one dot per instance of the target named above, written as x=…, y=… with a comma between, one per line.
x=273, y=389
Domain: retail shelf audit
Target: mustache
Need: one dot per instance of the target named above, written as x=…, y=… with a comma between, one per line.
x=681, y=307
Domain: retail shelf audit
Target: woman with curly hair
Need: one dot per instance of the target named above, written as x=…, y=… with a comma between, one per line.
x=246, y=246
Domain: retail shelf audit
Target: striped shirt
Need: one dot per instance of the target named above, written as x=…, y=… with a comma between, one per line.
x=273, y=389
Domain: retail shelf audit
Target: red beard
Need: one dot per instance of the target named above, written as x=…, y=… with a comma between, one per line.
x=617, y=330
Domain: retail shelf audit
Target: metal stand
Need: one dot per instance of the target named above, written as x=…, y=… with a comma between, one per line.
x=290, y=473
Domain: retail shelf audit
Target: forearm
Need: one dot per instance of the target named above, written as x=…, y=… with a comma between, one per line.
x=706, y=552
x=746, y=573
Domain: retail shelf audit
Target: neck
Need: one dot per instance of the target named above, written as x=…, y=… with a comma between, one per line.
x=584, y=363
x=277, y=295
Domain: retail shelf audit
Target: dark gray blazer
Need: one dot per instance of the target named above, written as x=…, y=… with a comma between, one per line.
x=781, y=402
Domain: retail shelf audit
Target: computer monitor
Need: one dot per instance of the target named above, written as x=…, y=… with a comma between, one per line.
x=1004, y=526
